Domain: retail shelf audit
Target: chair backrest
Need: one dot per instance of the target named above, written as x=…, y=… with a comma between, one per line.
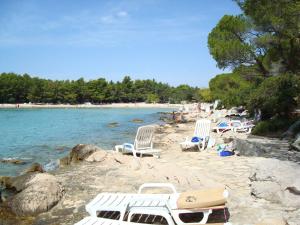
x=236, y=123
x=202, y=128
x=144, y=137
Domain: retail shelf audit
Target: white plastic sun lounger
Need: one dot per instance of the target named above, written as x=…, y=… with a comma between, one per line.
x=142, y=144
x=222, y=127
x=90, y=220
x=235, y=126
x=202, y=131
x=239, y=126
x=117, y=205
x=143, y=216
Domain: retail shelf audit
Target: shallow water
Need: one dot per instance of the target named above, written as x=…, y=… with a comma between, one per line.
x=44, y=135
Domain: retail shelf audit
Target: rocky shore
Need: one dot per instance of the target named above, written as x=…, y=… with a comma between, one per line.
x=260, y=188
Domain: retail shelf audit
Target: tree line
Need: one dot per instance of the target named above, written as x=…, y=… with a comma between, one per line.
x=16, y=88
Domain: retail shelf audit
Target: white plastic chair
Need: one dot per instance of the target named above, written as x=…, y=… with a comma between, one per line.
x=202, y=131
x=143, y=143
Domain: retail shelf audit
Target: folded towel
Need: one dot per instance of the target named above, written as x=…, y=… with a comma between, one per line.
x=202, y=198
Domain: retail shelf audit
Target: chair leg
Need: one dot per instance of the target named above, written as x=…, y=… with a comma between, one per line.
x=156, y=155
x=203, y=145
x=134, y=153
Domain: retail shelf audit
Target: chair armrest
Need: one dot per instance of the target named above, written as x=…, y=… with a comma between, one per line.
x=157, y=185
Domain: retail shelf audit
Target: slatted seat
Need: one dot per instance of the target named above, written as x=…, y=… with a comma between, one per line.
x=143, y=144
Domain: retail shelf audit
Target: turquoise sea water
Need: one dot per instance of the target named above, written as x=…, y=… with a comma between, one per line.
x=44, y=135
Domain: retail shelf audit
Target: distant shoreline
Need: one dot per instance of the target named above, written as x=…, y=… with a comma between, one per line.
x=113, y=105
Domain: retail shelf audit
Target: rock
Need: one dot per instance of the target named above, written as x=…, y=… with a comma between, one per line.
x=292, y=131
x=272, y=221
x=5, y=182
x=7, y=217
x=35, y=167
x=38, y=193
x=64, y=161
x=277, y=181
x=13, y=161
x=266, y=147
x=60, y=148
x=227, y=140
x=167, y=126
x=82, y=151
x=6, y=194
x=113, y=124
x=137, y=120
x=296, y=143
x=97, y=156
x=19, y=183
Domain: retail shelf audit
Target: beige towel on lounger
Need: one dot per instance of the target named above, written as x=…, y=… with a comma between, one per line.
x=201, y=199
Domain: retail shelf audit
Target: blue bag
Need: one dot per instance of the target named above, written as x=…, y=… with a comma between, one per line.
x=226, y=153
x=196, y=139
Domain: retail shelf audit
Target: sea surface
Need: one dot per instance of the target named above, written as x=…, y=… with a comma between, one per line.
x=45, y=135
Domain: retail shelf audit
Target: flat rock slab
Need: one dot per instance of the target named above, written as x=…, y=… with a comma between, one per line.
x=266, y=147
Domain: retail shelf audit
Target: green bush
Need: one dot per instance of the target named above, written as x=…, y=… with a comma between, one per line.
x=152, y=98
x=205, y=95
x=276, y=96
x=232, y=89
x=273, y=127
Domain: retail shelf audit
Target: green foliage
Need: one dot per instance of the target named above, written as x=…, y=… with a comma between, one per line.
x=152, y=98
x=19, y=89
x=231, y=89
x=279, y=22
x=205, y=95
x=263, y=47
x=182, y=93
x=273, y=127
x=228, y=42
x=265, y=36
x=276, y=96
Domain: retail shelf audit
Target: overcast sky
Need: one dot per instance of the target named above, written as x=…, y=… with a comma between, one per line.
x=161, y=39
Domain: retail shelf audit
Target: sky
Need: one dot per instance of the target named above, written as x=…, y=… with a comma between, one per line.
x=165, y=40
